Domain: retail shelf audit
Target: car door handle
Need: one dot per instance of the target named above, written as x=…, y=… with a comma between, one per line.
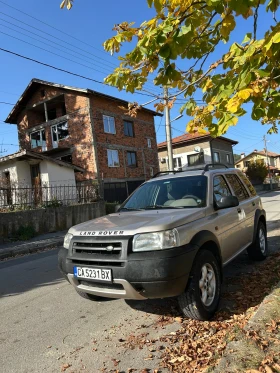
x=238, y=210
x=253, y=203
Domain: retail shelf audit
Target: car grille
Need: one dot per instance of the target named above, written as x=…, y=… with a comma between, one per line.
x=99, y=251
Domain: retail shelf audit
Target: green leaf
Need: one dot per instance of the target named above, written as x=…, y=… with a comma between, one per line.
x=150, y=3
x=257, y=113
x=165, y=51
x=247, y=38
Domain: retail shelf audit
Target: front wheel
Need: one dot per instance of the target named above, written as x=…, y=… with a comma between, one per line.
x=258, y=249
x=202, y=295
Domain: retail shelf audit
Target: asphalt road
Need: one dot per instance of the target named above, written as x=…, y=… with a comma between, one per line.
x=271, y=203
x=45, y=325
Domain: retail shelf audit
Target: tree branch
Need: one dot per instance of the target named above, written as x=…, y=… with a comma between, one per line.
x=256, y=20
x=212, y=67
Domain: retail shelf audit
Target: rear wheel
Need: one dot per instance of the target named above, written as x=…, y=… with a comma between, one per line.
x=88, y=296
x=202, y=295
x=258, y=249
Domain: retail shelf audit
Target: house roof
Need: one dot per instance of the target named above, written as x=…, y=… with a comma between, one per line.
x=28, y=155
x=260, y=152
x=193, y=137
x=35, y=83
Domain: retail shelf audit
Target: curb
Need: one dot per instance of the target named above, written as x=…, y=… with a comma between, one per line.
x=243, y=354
x=30, y=248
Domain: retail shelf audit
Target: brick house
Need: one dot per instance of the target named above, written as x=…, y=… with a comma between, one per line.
x=196, y=149
x=89, y=130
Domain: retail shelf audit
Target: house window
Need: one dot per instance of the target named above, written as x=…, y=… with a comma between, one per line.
x=67, y=158
x=151, y=171
x=59, y=132
x=113, y=158
x=149, y=143
x=177, y=163
x=216, y=157
x=228, y=158
x=195, y=159
x=109, y=124
x=131, y=159
x=38, y=138
x=52, y=114
x=128, y=128
x=247, y=163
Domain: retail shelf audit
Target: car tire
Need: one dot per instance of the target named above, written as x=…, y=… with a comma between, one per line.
x=88, y=296
x=259, y=248
x=202, y=295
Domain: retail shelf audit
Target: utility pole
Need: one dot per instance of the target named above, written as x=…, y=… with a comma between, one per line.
x=267, y=161
x=168, y=130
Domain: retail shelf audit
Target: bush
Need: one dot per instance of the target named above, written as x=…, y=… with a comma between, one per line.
x=110, y=207
x=257, y=171
x=25, y=233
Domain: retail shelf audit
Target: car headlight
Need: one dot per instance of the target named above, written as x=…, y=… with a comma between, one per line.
x=67, y=240
x=155, y=241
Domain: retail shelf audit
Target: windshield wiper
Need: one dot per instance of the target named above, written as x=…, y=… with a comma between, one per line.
x=130, y=209
x=162, y=207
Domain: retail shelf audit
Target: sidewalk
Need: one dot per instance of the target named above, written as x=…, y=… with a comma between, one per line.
x=37, y=243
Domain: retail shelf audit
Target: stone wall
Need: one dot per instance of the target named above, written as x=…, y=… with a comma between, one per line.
x=50, y=219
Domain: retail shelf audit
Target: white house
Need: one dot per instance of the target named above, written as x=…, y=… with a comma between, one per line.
x=26, y=175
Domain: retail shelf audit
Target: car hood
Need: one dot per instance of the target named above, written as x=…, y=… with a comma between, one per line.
x=133, y=222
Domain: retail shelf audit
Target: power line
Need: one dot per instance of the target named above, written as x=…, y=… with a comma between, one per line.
x=53, y=42
x=6, y=103
x=65, y=71
x=53, y=27
x=56, y=54
x=55, y=37
x=9, y=93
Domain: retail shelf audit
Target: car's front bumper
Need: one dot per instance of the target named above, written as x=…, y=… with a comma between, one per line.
x=157, y=274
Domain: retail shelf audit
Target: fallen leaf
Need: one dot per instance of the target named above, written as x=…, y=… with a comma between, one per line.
x=65, y=366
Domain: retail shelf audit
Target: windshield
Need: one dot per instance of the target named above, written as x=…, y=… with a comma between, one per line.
x=182, y=192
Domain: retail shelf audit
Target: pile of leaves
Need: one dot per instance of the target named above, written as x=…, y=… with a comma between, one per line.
x=197, y=345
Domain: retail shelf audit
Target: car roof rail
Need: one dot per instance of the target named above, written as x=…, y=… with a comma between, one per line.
x=160, y=173
x=206, y=168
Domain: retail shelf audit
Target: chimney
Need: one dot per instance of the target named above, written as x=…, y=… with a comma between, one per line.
x=242, y=155
x=255, y=150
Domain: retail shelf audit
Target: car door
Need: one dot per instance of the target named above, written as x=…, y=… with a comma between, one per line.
x=246, y=210
x=227, y=221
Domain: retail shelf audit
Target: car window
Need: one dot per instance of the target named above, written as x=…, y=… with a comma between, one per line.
x=181, y=192
x=220, y=188
x=239, y=190
x=248, y=184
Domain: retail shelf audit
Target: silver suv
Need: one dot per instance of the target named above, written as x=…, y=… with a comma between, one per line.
x=171, y=237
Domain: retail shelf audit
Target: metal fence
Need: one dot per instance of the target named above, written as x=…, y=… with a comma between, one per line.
x=41, y=196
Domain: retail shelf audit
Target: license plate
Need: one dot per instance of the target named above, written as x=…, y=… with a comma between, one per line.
x=93, y=273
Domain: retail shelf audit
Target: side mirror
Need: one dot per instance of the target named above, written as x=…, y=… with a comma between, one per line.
x=117, y=207
x=226, y=202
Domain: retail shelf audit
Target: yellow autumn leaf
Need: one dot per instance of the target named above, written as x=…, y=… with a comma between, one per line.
x=233, y=104
x=228, y=25
x=183, y=4
x=210, y=107
x=208, y=84
x=202, y=131
x=245, y=93
x=276, y=38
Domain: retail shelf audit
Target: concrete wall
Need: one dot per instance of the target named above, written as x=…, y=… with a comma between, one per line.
x=53, y=174
x=11, y=168
x=50, y=219
x=23, y=173
x=183, y=151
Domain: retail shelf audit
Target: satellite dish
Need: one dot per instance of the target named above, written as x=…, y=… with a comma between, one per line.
x=197, y=149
